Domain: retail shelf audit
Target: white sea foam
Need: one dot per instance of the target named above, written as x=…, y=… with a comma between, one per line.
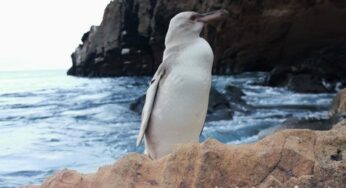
x=125, y=51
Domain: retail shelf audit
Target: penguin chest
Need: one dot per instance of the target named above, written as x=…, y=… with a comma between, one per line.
x=183, y=98
x=192, y=86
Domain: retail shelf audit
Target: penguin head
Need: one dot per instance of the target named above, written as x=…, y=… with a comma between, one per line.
x=188, y=25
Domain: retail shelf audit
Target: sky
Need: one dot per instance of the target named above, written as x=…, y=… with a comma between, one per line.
x=42, y=34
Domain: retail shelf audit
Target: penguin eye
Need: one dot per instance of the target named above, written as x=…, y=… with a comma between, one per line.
x=193, y=17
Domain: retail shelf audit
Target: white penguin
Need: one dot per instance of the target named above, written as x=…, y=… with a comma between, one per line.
x=177, y=100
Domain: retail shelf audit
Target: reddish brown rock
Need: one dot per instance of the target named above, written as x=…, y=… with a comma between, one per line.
x=288, y=158
x=339, y=104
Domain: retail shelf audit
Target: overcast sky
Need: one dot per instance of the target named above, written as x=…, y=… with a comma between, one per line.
x=42, y=34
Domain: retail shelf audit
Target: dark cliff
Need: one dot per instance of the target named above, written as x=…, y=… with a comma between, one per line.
x=305, y=38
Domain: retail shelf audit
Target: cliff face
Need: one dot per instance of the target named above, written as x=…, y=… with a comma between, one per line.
x=286, y=159
x=295, y=37
x=120, y=45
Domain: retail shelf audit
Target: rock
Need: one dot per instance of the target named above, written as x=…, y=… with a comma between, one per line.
x=235, y=93
x=259, y=35
x=337, y=113
x=218, y=108
x=138, y=104
x=235, y=97
x=289, y=158
x=314, y=123
x=307, y=83
x=338, y=106
x=220, y=114
x=304, y=79
x=119, y=46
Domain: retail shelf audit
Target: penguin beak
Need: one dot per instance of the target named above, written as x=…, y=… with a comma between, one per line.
x=212, y=16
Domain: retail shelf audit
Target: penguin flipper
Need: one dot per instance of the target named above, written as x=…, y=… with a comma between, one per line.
x=149, y=102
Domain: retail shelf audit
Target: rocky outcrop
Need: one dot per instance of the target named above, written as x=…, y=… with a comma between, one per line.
x=235, y=97
x=336, y=114
x=289, y=158
x=219, y=107
x=338, y=107
x=313, y=123
x=297, y=40
x=120, y=45
x=316, y=77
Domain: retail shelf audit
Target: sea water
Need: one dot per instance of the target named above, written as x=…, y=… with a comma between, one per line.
x=50, y=121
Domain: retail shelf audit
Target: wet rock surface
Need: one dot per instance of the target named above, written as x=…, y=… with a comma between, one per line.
x=234, y=93
x=314, y=76
x=219, y=107
x=296, y=40
x=336, y=114
x=321, y=124
x=138, y=104
x=289, y=158
x=235, y=97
